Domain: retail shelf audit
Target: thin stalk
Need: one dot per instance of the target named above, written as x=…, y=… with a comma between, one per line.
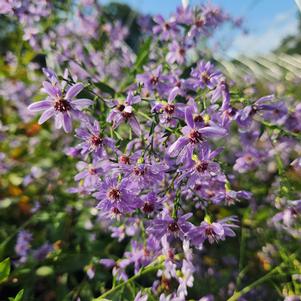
x=129, y=281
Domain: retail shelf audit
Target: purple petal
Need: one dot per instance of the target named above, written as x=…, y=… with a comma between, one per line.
x=177, y=146
x=82, y=103
x=173, y=93
x=50, y=89
x=67, y=123
x=135, y=125
x=46, y=115
x=74, y=90
x=40, y=106
x=213, y=131
x=189, y=117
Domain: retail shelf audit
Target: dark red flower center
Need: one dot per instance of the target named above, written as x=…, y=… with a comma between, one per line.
x=202, y=166
x=62, y=105
x=92, y=171
x=198, y=118
x=154, y=80
x=138, y=171
x=167, y=26
x=115, y=211
x=209, y=231
x=124, y=159
x=182, y=51
x=96, y=140
x=199, y=23
x=120, y=107
x=114, y=194
x=148, y=207
x=127, y=115
x=173, y=227
x=195, y=136
x=205, y=77
x=169, y=109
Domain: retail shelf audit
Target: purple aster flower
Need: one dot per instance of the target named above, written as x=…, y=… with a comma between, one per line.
x=61, y=105
x=123, y=112
x=143, y=174
x=176, y=54
x=170, y=227
x=23, y=246
x=153, y=80
x=248, y=160
x=166, y=30
x=288, y=215
x=93, y=140
x=277, y=113
x=212, y=189
x=118, y=267
x=151, y=203
x=89, y=173
x=222, y=92
x=116, y=197
x=213, y=232
x=194, y=136
x=170, y=112
x=232, y=197
x=141, y=297
x=245, y=116
x=184, y=15
x=201, y=167
x=205, y=75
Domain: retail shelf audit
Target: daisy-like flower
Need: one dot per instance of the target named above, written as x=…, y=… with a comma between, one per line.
x=116, y=197
x=170, y=227
x=60, y=104
x=213, y=232
x=202, y=166
x=93, y=140
x=123, y=112
x=194, y=136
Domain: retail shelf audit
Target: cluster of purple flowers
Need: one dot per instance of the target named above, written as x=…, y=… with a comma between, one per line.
x=154, y=156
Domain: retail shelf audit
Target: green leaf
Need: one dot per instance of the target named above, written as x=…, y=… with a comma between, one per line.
x=4, y=269
x=105, y=88
x=143, y=54
x=44, y=271
x=18, y=297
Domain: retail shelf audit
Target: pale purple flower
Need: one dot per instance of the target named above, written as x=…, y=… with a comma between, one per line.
x=245, y=116
x=124, y=112
x=93, y=140
x=213, y=232
x=166, y=30
x=205, y=75
x=170, y=227
x=88, y=173
x=141, y=297
x=42, y=252
x=154, y=80
x=60, y=105
x=194, y=137
x=144, y=174
x=151, y=203
x=23, y=246
x=176, y=54
x=116, y=197
x=201, y=167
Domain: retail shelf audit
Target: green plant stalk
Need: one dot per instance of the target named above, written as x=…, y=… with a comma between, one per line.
x=129, y=281
x=259, y=281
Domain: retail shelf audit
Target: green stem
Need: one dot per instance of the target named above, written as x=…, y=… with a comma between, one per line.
x=142, y=272
x=259, y=281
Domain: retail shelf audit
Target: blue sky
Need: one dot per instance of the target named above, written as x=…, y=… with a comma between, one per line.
x=268, y=21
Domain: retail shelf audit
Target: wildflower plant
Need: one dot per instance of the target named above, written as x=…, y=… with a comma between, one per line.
x=158, y=151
